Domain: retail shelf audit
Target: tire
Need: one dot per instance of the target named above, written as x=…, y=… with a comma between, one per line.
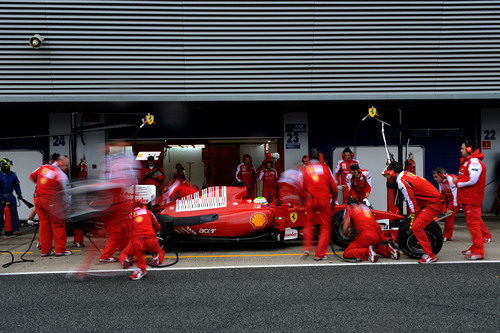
x=337, y=236
x=408, y=243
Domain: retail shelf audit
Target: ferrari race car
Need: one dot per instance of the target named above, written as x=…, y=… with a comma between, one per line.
x=224, y=213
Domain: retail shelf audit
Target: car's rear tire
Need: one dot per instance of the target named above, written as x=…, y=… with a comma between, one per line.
x=337, y=236
x=409, y=244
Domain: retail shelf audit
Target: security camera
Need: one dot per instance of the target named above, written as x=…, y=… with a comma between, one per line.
x=36, y=41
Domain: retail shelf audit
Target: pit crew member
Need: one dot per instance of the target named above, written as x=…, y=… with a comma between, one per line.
x=245, y=172
x=359, y=183
x=471, y=183
x=152, y=174
x=448, y=191
x=269, y=177
x=423, y=202
x=367, y=244
x=343, y=169
x=51, y=199
x=321, y=192
x=144, y=227
x=8, y=184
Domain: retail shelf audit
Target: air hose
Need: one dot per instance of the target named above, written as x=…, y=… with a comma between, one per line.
x=22, y=256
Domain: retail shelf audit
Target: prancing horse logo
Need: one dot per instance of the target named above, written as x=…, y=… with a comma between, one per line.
x=293, y=217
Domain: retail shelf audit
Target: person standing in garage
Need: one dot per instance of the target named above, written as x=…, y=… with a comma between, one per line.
x=343, y=169
x=471, y=183
x=152, y=174
x=269, y=178
x=321, y=192
x=423, y=203
x=8, y=184
x=245, y=173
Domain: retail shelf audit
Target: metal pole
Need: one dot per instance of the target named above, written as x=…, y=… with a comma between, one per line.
x=72, y=139
x=400, y=155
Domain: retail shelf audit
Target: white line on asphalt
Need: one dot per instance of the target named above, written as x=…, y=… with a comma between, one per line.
x=258, y=266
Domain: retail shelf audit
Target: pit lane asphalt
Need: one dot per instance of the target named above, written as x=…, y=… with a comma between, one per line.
x=447, y=297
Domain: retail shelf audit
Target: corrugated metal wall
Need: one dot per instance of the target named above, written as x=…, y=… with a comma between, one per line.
x=249, y=50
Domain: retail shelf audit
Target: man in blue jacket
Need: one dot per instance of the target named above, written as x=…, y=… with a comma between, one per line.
x=8, y=184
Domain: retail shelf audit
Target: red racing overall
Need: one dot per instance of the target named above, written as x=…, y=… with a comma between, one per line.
x=423, y=201
x=368, y=232
x=471, y=183
x=269, y=179
x=322, y=193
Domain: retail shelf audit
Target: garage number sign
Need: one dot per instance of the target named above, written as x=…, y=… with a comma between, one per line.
x=292, y=134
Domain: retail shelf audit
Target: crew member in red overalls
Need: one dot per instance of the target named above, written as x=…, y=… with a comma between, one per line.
x=321, y=192
x=122, y=172
x=51, y=199
x=269, y=178
x=245, y=172
x=471, y=183
x=448, y=191
x=343, y=169
x=359, y=183
x=291, y=188
x=423, y=201
x=179, y=189
x=367, y=244
x=152, y=174
x=144, y=227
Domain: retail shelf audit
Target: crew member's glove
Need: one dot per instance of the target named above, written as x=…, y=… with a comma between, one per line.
x=366, y=202
x=30, y=223
x=20, y=197
x=412, y=218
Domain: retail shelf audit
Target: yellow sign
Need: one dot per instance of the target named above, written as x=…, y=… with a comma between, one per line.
x=139, y=219
x=258, y=220
x=293, y=217
x=150, y=119
x=372, y=111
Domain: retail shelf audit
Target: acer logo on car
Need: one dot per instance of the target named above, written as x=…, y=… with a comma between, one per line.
x=206, y=231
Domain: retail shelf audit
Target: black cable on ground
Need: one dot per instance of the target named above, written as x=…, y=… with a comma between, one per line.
x=22, y=256
x=174, y=249
x=99, y=250
x=341, y=258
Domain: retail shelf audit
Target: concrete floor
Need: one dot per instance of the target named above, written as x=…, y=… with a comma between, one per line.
x=196, y=255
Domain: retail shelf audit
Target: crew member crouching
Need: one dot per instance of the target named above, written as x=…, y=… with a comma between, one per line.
x=367, y=244
x=144, y=227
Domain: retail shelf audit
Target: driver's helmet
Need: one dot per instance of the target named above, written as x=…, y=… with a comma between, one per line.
x=261, y=200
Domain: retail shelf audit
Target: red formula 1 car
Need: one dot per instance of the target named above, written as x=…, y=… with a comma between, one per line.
x=224, y=213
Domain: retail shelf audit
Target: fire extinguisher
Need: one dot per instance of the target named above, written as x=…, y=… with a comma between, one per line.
x=7, y=219
x=82, y=170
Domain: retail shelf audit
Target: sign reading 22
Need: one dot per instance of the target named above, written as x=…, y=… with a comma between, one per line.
x=490, y=135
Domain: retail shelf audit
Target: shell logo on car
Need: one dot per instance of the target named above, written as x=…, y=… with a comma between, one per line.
x=258, y=220
x=139, y=219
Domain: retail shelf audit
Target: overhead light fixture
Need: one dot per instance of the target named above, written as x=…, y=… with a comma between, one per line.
x=36, y=41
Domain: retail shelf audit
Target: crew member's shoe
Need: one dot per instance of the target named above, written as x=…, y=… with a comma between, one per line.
x=76, y=244
x=138, y=274
x=446, y=239
x=65, y=253
x=8, y=233
x=427, y=259
x=466, y=252
x=372, y=256
x=474, y=257
x=17, y=233
x=51, y=253
x=486, y=240
x=321, y=258
x=126, y=263
x=393, y=251
x=110, y=259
